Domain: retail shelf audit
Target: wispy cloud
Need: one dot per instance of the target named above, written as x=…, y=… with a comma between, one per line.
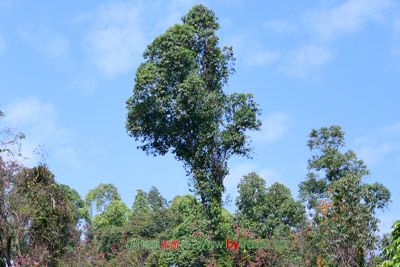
x=323, y=28
x=306, y=60
x=350, y=16
x=378, y=145
x=274, y=126
x=118, y=31
x=261, y=56
x=39, y=121
x=280, y=26
x=115, y=38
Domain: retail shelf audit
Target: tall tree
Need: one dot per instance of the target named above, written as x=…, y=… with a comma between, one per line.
x=342, y=206
x=179, y=106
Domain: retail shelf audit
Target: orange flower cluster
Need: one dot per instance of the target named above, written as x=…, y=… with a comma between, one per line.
x=324, y=206
x=320, y=261
x=295, y=239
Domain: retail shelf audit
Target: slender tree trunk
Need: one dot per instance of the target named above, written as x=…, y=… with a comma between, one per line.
x=17, y=246
x=8, y=251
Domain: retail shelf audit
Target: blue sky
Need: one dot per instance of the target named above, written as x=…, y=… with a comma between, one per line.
x=67, y=67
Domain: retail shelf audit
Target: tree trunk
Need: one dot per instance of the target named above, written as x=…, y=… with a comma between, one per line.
x=8, y=251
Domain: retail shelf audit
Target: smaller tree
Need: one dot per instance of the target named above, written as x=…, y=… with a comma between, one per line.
x=48, y=215
x=82, y=211
x=115, y=214
x=156, y=200
x=10, y=223
x=149, y=216
x=342, y=207
x=269, y=213
x=264, y=210
x=188, y=224
x=107, y=214
x=10, y=166
x=251, y=203
x=108, y=228
x=392, y=251
x=100, y=197
x=141, y=204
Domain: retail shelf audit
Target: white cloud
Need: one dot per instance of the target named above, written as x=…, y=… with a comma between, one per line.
x=378, y=145
x=257, y=57
x=280, y=26
x=39, y=121
x=326, y=26
x=348, y=17
x=116, y=35
x=306, y=60
x=274, y=126
x=116, y=38
x=52, y=45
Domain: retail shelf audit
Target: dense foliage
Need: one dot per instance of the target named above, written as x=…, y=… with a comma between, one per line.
x=392, y=251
